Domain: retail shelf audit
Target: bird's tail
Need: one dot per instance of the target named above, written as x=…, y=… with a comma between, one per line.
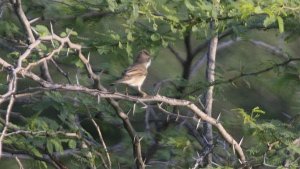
x=116, y=82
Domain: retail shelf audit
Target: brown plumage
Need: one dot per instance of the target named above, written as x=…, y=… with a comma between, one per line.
x=135, y=74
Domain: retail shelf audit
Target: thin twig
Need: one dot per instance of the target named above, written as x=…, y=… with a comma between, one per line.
x=66, y=75
x=102, y=142
x=176, y=54
x=9, y=108
x=19, y=163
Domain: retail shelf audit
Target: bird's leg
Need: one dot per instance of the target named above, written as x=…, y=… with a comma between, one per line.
x=143, y=93
x=126, y=90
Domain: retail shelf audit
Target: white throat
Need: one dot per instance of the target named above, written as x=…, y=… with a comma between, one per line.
x=148, y=64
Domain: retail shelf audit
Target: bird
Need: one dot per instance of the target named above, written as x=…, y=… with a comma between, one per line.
x=136, y=73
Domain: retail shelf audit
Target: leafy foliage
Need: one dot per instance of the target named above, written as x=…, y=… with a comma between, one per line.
x=273, y=138
x=113, y=31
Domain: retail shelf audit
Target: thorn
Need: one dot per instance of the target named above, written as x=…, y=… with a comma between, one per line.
x=128, y=112
x=98, y=99
x=88, y=58
x=240, y=161
x=51, y=28
x=205, y=140
x=233, y=148
x=141, y=139
x=233, y=84
x=68, y=51
x=33, y=30
x=134, y=138
x=168, y=118
x=177, y=115
x=240, y=143
x=52, y=43
x=198, y=124
x=77, y=80
x=33, y=20
x=157, y=92
x=198, y=154
x=144, y=107
x=218, y=118
x=160, y=104
x=133, y=109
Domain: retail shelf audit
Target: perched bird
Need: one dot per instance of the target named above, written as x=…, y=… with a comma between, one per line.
x=136, y=73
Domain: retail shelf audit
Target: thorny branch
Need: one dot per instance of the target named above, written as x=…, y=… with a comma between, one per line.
x=105, y=94
x=17, y=5
x=100, y=91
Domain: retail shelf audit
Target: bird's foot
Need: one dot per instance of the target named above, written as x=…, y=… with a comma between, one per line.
x=143, y=94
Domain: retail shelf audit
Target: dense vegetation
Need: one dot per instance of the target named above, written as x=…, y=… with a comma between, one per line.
x=236, y=61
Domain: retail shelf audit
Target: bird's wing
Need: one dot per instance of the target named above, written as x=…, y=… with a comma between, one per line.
x=135, y=70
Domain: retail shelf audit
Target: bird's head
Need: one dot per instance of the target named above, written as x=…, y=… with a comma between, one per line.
x=143, y=57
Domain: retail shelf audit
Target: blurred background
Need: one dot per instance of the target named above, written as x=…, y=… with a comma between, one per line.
x=256, y=91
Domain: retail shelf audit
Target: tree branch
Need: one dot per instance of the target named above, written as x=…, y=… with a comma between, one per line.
x=241, y=75
x=174, y=102
x=176, y=54
x=17, y=4
x=101, y=92
x=210, y=77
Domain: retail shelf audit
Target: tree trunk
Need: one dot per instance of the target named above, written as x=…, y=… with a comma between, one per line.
x=210, y=77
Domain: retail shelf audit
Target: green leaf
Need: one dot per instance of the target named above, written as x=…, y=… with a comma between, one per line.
x=42, y=30
x=155, y=26
x=189, y=6
x=164, y=43
x=129, y=36
x=63, y=34
x=194, y=28
x=36, y=152
x=71, y=32
x=280, y=24
x=42, y=47
x=112, y=5
x=49, y=146
x=155, y=37
x=102, y=49
x=269, y=20
x=120, y=45
x=129, y=49
x=57, y=145
x=79, y=64
x=135, y=11
x=72, y=144
x=258, y=10
x=14, y=54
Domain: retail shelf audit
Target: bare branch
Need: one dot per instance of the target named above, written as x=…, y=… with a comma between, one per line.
x=66, y=75
x=101, y=92
x=273, y=49
x=196, y=66
x=17, y=4
x=210, y=77
x=241, y=75
x=9, y=107
x=19, y=163
x=102, y=142
x=176, y=54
